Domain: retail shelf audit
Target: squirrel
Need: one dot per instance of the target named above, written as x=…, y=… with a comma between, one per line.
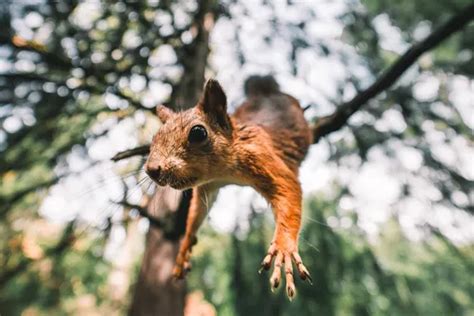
x=261, y=145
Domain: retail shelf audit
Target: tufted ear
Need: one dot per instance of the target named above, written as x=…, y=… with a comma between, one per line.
x=214, y=103
x=163, y=113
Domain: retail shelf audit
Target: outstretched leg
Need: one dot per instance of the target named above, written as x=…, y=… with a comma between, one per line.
x=283, y=192
x=201, y=201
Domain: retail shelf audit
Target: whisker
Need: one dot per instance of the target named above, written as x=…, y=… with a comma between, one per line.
x=103, y=182
x=206, y=196
x=310, y=244
x=112, y=207
x=205, y=200
x=316, y=221
x=148, y=188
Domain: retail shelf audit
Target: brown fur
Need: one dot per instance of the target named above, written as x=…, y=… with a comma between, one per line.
x=261, y=145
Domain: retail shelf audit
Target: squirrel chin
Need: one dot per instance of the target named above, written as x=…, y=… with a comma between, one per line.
x=181, y=184
x=180, y=187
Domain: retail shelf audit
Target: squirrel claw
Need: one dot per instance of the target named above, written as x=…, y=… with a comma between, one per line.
x=302, y=271
x=182, y=265
x=187, y=266
x=178, y=273
x=310, y=280
x=180, y=270
x=286, y=259
x=291, y=291
x=265, y=265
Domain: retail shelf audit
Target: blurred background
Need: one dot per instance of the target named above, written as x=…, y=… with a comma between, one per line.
x=388, y=225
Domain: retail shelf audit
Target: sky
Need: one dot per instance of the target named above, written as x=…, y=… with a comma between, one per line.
x=376, y=186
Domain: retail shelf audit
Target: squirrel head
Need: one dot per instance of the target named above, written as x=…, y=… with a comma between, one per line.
x=193, y=145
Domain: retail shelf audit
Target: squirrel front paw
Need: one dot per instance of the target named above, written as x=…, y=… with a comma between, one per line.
x=183, y=260
x=286, y=256
x=181, y=269
x=182, y=265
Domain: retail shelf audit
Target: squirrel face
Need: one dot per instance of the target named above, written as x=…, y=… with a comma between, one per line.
x=192, y=146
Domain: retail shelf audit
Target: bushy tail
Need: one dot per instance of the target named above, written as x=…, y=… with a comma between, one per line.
x=260, y=85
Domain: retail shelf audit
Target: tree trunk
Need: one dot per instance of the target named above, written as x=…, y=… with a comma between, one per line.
x=156, y=293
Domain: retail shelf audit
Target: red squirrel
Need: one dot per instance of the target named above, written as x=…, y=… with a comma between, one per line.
x=261, y=145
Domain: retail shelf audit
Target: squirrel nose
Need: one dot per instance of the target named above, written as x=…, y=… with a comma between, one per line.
x=153, y=170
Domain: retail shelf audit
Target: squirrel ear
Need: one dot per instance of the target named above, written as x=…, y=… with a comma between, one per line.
x=214, y=103
x=213, y=98
x=163, y=113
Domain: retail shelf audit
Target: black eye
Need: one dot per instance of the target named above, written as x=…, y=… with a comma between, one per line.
x=197, y=134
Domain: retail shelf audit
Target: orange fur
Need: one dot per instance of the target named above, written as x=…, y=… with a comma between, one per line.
x=261, y=145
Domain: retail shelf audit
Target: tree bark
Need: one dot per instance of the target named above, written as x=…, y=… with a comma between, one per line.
x=156, y=293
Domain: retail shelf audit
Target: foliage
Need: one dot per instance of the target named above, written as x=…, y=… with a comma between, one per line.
x=50, y=288
x=391, y=276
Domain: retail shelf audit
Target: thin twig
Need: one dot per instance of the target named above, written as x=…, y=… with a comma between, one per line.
x=138, y=151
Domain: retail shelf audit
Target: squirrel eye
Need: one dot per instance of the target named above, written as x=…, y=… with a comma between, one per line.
x=197, y=134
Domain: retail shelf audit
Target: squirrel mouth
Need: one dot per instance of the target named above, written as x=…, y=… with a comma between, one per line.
x=176, y=183
x=183, y=183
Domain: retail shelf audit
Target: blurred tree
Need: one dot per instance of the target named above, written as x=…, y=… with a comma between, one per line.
x=72, y=71
x=156, y=292
x=391, y=276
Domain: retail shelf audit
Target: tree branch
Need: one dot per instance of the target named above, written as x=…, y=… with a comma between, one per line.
x=143, y=213
x=32, y=46
x=6, y=202
x=338, y=119
x=138, y=151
